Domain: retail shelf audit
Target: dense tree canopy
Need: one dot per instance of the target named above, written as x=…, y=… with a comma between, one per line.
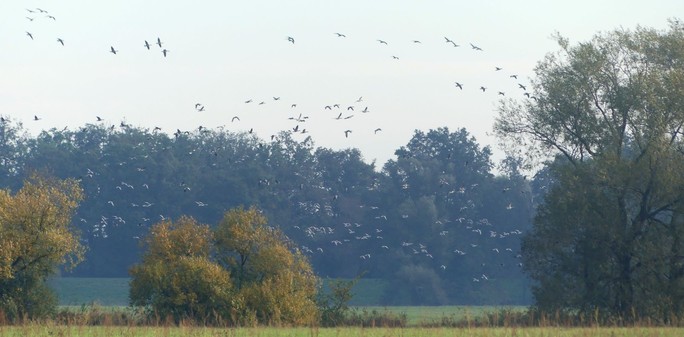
x=438, y=197
x=608, y=235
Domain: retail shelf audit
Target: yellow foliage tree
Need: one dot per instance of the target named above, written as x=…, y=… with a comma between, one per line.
x=242, y=273
x=274, y=280
x=36, y=236
x=177, y=277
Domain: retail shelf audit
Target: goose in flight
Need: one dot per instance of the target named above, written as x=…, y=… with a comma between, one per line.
x=346, y=133
x=459, y=85
x=382, y=41
x=51, y=17
x=377, y=130
x=340, y=35
x=365, y=110
x=159, y=43
x=112, y=50
x=234, y=118
x=147, y=45
x=483, y=89
x=475, y=47
x=416, y=41
x=35, y=118
x=30, y=19
x=99, y=119
x=290, y=39
x=522, y=86
x=501, y=93
x=164, y=51
x=497, y=68
x=395, y=57
x=29, y=35
x=60, y=41
x=359, y=100
x=514, y=76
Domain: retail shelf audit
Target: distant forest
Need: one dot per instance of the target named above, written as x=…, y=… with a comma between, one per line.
x=435, y=224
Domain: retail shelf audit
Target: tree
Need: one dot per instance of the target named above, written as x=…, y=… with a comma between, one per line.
x=608, y=235
x=243, y=272
x=177, y=277
x=36, y=237
x=274, y=281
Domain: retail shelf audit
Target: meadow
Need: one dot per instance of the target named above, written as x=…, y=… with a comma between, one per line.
x=39, y=330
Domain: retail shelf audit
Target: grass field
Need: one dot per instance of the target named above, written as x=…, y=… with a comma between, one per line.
x=89, y=331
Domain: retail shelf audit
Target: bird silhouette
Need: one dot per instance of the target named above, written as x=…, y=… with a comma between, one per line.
x=164, y=51
x=159, y=43
x=291, y=39
x=340, y=35
x=483, y=89
x=459, y=85
x=60, y=41
x=522, y=86
x=29, y=35
x=346, y=133
x=147, y=45
x=113, y=51
x=377, y=130
x=382, y=41
x=475, y=47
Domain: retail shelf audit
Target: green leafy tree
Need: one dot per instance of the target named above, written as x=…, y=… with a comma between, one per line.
x=608, y=235
x=36, y=237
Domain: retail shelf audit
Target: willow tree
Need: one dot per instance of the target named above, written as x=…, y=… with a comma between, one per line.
x=36, y=237
x=274, y=281
x=608, y=236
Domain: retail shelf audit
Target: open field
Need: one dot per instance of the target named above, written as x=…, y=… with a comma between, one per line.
x=90, y=331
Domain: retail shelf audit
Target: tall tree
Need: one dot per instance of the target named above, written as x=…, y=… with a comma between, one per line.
x=608, y=235
x=36, y=237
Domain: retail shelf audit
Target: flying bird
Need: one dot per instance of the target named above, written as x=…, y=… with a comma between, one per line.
x=29, y=35
x=346, y=133
x=159, y=43
x=459, y=85
x=164, y=51
x=382, y=41
x=522, y=86
x=113, y=51
x=340, y=35
x=35, y=118
x=475, y=47
x=291, y=39
x=498, y=68
x=365, y=110
x=483, y=89
x=50, y=17
x=147, y=45
x=60, y=41
x=377, y=130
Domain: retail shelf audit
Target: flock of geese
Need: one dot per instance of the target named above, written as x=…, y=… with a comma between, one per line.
x=341, y=112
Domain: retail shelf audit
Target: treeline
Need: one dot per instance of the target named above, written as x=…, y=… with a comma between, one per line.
x=435, y=222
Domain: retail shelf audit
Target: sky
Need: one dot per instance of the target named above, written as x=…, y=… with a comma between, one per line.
x=222, y=54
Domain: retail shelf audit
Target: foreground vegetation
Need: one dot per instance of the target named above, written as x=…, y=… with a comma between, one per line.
x=38, y=330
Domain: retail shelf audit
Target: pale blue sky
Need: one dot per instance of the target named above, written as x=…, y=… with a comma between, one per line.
x=223, y=53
